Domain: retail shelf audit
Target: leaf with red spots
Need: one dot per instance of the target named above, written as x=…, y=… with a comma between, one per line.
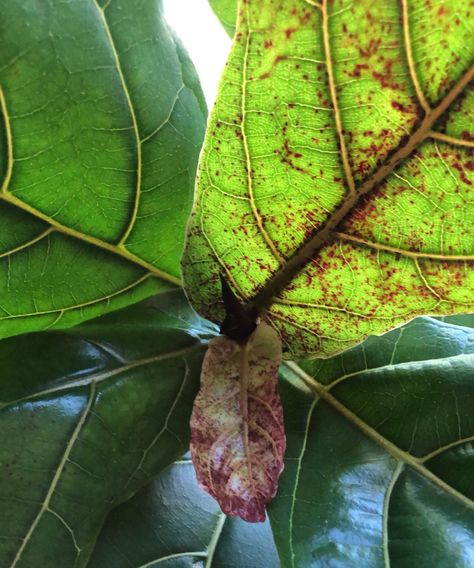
x=237, y=434
x=336, y=184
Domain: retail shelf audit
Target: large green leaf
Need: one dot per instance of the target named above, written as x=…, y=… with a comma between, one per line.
x=101, y=122
x=336, y=183
x=226, y=11
x=87, y=417
x=172, y=523
x=380, y=456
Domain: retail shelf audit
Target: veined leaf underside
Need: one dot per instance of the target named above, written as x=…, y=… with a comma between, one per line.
x=53, y=225
x=92, y=164
x=335, y=186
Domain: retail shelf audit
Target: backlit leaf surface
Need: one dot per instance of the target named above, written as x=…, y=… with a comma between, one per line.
x=101, y=121
x=237, y=433
x=380, y=458
x=336, y=182
x=87, y=417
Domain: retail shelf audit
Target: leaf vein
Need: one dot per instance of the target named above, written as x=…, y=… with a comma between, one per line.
x=57, y=475
x=410, y=60
x=315, y=242
x=297, y=479
x=388, y=446
x=403, y=252
x=133, y=116
x=257, y=216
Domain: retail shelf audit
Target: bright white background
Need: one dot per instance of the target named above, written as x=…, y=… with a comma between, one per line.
x=204, y=38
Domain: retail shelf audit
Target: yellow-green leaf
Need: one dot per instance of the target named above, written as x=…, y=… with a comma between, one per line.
x=336, y=184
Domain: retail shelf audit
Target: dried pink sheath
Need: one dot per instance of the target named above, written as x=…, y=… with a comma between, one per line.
x=237, y=434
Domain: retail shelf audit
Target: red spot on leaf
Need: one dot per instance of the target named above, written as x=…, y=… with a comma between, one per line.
x=398, y=106
x=279, y=58
x=371, y=48
x=358, y=69
x=305, y=17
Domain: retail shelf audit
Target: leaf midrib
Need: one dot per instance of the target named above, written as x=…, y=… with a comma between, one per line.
x=401, y=456
x=324, y=235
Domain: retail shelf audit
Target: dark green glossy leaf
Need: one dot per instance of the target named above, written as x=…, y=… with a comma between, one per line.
x=87, y=417
x=226, y=11
x=466, y=320
x=101, y=122
x=172, y=523
x=380, y=457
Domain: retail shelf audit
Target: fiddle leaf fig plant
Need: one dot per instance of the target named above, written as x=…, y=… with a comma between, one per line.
x=337, y=179
x=281, y=374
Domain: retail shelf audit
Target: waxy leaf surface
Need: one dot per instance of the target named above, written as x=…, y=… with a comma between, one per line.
x=336, y=186
x=380, y=456
x=101, y=121
x=173, y=523
x=87, y=417
x=237, y=433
